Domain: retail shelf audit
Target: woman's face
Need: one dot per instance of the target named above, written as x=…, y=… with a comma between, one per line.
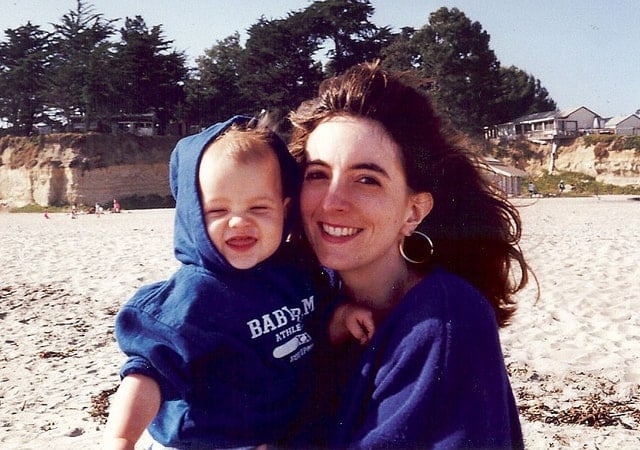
x=355, y=202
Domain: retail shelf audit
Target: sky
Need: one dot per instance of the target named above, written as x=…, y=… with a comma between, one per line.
x=584, y=53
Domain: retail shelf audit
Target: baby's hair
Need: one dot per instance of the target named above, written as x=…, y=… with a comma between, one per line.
x=245, y=144
x=253, y=141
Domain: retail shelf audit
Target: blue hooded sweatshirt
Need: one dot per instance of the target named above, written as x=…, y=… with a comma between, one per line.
x=229, y=348
x=432, y=377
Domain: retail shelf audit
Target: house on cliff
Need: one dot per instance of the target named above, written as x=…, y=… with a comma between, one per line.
x=146, y=124
x=138, y=124
x=550, y=125
x=625, y=125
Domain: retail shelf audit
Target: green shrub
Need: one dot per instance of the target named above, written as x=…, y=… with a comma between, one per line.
x=580, y=185
x=34, y=208
x=593, y=139
x=133, y=202
x=632, y=143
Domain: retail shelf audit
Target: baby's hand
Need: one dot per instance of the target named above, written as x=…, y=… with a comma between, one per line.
x=359, y=321
x=350, y=319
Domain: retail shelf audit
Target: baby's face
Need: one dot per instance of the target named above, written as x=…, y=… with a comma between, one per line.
x=243, y=207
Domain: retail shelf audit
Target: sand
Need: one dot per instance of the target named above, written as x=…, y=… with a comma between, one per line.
x=574, y=355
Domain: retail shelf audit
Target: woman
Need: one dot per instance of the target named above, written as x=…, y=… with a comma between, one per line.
x=418, y=235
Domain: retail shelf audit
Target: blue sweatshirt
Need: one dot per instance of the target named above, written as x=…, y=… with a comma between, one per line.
x=433, y=376
x=229, y=348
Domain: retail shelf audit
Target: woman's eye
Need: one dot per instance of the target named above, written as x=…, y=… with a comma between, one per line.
x=368, y=180
x=314, y=175
x=259, y=208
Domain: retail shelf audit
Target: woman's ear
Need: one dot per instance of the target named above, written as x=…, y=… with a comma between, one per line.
x=287, y=205
x=420, y=205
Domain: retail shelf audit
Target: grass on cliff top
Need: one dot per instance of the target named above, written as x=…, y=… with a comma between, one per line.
x=132, y=202
x=33, y=208
x=578, y=185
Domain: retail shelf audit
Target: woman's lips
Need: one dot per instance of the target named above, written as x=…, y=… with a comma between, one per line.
x=337, y=231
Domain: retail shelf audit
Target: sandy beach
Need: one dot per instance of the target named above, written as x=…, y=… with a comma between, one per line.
x=573, y=356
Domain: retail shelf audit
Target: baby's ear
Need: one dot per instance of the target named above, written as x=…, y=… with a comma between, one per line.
x=420, y=205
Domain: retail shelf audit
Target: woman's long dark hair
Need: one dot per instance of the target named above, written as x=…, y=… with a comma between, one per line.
x=474, y=228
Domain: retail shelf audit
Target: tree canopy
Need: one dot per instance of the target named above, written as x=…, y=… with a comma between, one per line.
x=23, y=61
x=87, y=70
x=79, y=63
x=147, y=74
x=466, y=82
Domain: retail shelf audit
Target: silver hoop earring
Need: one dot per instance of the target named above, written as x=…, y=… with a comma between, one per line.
x=429, y=251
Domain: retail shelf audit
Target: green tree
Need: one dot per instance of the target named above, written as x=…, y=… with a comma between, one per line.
x=517, y=93
x=542, y=100
x=23, y=62
x=469, y=87
x=455, y=52
x=521, y=93
x=278, y=70
x=281, y=66
x=214, y=92
x=149, y=76
x=346, y=25
x=80, y=64
x=401, y=52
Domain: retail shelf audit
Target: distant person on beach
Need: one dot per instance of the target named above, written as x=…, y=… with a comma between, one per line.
x=532, y=189
x=46, y=213
x=561, y=187
x=116, y=206
x=220, y=355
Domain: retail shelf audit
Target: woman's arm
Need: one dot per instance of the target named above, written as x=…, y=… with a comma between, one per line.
x=136, y=404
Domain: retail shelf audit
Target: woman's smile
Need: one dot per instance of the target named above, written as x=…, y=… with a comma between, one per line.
x=339, y=231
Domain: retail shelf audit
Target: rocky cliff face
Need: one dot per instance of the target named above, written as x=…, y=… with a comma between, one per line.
x=83, y=168
x=609, y=163
x=89, y=168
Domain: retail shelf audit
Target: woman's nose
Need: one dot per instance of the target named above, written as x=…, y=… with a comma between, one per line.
x=335, y=198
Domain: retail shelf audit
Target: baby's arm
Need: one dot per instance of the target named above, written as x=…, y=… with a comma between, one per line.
x=136, y=404
x=350, y=319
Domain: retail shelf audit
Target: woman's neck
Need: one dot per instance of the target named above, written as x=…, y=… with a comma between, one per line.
x=382, y=287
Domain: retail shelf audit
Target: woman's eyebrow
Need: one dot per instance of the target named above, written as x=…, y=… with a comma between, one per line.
x=317, y=162
x=360, y=166
x=372, y=167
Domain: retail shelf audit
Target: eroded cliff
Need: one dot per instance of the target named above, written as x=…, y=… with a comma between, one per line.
x=83, y=168
x=95, y=168
x=608, y=161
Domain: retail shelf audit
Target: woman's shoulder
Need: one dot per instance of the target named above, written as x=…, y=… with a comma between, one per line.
x=443, y=311
x=442, y=284
x=443, y=296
